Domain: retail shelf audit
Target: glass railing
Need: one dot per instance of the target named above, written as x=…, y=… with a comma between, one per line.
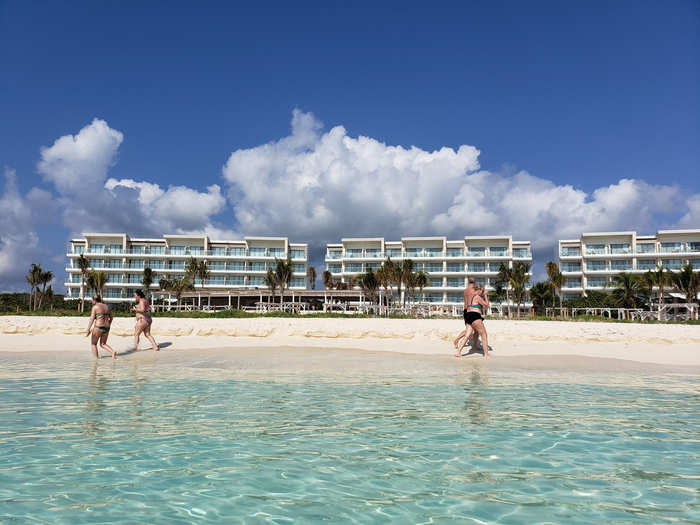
x=472, y=253
x=570, y=252
x=522, y=254
x=595, y=251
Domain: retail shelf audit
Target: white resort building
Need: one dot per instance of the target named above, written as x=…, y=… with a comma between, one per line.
x=447, y=263
x=589, y=263
x=234, y=265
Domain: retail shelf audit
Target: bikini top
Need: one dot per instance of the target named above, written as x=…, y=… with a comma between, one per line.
x=480, y=306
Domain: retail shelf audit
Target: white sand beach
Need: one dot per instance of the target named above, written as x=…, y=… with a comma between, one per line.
x=645, y=343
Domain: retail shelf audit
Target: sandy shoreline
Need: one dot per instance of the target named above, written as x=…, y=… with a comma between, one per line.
x=645, y=343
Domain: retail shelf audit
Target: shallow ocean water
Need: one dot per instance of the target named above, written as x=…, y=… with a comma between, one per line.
x=342, y=437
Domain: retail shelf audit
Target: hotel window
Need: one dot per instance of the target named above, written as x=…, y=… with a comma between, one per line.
x=236, y=266
x=476, y=252
x=353, y=267
x=498, y=251
x=373, y=266
x=646, y=264
x=670, y=247
x=433, y=267
x=373, y=252
x=620, y=248
x=256, y=252
x=116, y=278
x=134, y=278
x=596, y=282
x=694, y=246
x=353, y=253
x=414, y=252
x=596, y=266
x=432, y=297
x=433, y=252
x=672, y=264
x=454, y=282
x=217, y=280
x=176, y=250
x=481, y=281
x=521, y=253
x=595, y=249
x=236, y=280
x=493, y=267
x=78, y=248
x=237, y=252
x=455, y=267
x=301, y=254
x=218, y=251
x=695, y=263
x=256, y=266
x=476, y=267
x=217, y=265
x=455, y=252
x=138, y=249
x=156, y=265
x=114, y=263
x=621, y=265
x=334, y=268
x=115, y=248
x=298, y=268
x=156, y=250
x=196, y=250
x=334, y=254
x=256, y=281
x=570, y=251
x=75, y=278
x=572, y=283
x=571, y=267
x=435, y=283
x=647, y=247
x=97, y=248
x=113, y=293
x=276, y=252
x=418, y=266
x=455, y=298
x=177, y=265
x=394, y=252
x=97, y=263
x=137, y=263
x=298, y=282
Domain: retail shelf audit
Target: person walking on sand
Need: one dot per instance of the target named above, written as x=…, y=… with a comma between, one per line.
x=101, y=317
x=468, y=330
x=474, y=304
x=143, y=320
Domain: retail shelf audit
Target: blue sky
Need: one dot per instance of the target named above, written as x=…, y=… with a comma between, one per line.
x=582, y=94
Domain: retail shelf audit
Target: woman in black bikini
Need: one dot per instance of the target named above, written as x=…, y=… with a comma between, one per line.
x=101, y=316
x=473, y=306
x=143, y=320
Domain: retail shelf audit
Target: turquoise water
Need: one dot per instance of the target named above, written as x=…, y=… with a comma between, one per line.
x=184, y=439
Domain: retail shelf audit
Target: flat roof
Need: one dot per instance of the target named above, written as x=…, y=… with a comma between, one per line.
x=266, y=238
x=431, y=238
x=362, y=239
x=484, y=237
x=600, y=234
x=671, y=232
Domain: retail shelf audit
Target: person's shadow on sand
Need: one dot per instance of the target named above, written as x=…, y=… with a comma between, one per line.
x=133, y=350
x=478, y=350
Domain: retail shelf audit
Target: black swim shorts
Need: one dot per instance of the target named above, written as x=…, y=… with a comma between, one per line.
x=470, y=317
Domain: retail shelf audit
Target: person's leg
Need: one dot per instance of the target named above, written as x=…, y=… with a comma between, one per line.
x=138, y=328
x=94, y=337
x=103, y=344
x=147, y=333
x=467, y=335
x=461, y=334
x=481, y=330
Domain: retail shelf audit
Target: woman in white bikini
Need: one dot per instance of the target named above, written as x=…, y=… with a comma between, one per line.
x=143, y=320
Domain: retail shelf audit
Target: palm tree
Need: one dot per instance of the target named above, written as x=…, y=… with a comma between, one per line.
x=49, y=296
x=327, y=280
x=687, y=281
x=627, y=290
x=45, y=279
x=177, y=286
x=403, y=275
x=33, y=279
x=541, y=294
x=97, y=280
x=519, y=277
x=556, y=281
x=147, y=279
x=387, y=276
x=647, y=280
x=383, y=280
x=504, y=276
x=311, y=276
x=660, y=278
x=420, y=280
x=283, y=274
x=270, y=280
x=368, y=284
x=84, y=266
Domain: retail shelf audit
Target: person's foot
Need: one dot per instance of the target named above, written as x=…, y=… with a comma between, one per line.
x=458, y=354
x=156, y=349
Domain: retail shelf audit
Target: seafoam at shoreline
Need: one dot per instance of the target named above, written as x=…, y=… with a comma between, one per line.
x=646, y=343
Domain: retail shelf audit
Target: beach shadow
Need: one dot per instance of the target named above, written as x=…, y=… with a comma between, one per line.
x=133, y=350
x=477, y=351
